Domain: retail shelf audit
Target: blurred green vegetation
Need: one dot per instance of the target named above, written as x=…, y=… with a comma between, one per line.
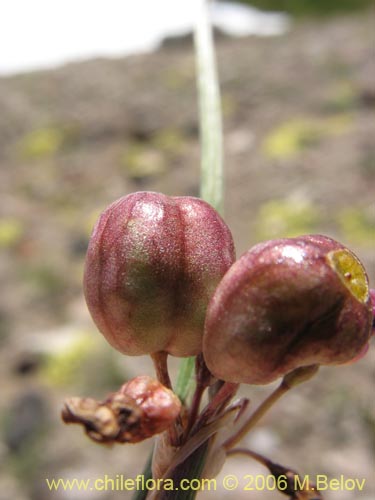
x=150, y=159
x=310, y=7
x=285, y=218
x=175, y=79
x=90, y=219
x=24, y=428
x=357, y=225
x=368, y=419
x=26, y=464
x=46, y=286
x=44, y=278
x=11, y=232
x=367, y=164
x=64, y=368
x=169, y=140
x=228, y=104
x=343, y=98
x=138, y=162
x=46, y=142
x=4, y=327
x=293, y=136
x=83, y=365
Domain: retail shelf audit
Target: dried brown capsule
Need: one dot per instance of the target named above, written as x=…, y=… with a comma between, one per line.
x=284, y=304
x=142, y=408
x=152, y=264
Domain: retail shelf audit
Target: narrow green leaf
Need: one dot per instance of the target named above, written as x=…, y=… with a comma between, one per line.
x=210, y=110
x=147, y=474
x=190, y=469
x=185, y=377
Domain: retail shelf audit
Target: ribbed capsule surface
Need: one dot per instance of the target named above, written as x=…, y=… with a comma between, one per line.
x=284, y=304
x=152, y=264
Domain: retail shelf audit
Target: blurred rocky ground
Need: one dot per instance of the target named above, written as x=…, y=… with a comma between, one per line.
x=300, y=157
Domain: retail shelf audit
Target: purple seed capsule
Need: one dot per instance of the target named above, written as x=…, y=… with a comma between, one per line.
x=284, y=304
x=152, y=264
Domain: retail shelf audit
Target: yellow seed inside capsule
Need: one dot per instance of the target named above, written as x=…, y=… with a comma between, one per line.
x=351, y=273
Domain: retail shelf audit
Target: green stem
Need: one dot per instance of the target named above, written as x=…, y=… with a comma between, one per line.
x=191, y=468
x=147, y=474
x=210, y=111
x=290, y=380
x=185, y=378
x=257, y=415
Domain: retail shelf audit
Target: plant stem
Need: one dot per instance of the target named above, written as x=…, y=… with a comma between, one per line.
x=290, y=380
x=218, y=402
x=210, y=111
x=289, y=485
x=147, y=474
x=203, y=379
x=196, y=441
x=191, y=468
x=257, y=415
x=161, y=368
x=185, y=377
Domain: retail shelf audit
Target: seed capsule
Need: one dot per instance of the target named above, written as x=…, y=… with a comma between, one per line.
x=284, y=304
x=152, y=264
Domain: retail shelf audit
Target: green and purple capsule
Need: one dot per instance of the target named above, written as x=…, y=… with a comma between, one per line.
x=285, y=304
x=152, y=265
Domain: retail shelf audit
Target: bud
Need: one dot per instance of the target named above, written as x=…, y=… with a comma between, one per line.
x=286, y=304
x=152, y=264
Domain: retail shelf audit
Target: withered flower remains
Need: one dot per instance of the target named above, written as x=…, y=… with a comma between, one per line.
x=142, y=408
